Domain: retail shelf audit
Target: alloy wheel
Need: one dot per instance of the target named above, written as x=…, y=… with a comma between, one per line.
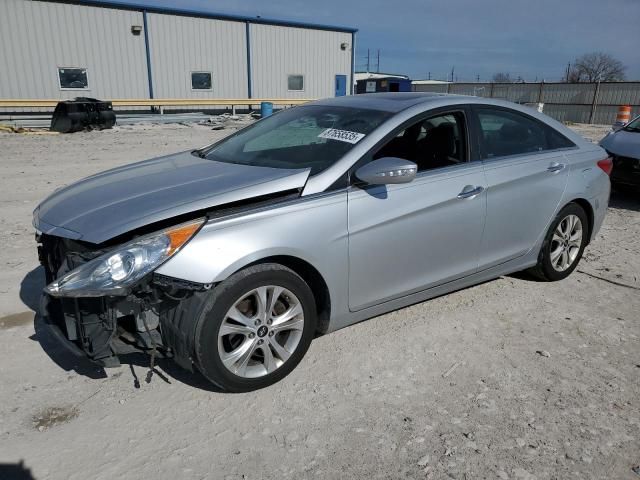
x=261, y=330
x=566, y=243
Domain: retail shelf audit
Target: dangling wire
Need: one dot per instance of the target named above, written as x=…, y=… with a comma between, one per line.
x=154, y=349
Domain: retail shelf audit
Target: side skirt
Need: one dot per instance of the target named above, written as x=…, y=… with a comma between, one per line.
x=516, y=265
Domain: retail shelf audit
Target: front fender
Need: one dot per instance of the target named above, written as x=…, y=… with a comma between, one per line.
x=312, y=229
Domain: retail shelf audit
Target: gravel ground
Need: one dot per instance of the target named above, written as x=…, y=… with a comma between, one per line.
x=511, y=379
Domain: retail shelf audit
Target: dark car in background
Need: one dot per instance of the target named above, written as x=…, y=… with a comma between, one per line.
x=624, y=147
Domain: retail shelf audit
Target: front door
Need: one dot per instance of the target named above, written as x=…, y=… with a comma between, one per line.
x=341, y=85
x=409, y=237
x=526, y=177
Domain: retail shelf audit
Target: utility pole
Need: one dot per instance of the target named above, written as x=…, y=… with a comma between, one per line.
x=568, y=69
x=452, y=70
x=368, y=59
x=478, y=78
x=378, y=64
x=594, y=103
x=429, y=76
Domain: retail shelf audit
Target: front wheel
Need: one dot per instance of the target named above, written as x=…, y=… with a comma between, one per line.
x=255, y=327
x=563, y=245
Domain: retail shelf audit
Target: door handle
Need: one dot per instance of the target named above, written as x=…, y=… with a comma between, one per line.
x=555, y=167
x=470, y=191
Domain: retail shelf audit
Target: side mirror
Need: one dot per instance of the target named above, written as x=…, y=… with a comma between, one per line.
x=387, y=170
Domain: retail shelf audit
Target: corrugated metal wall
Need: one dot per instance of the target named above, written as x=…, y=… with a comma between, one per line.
x=432, y=87
x=181, y=45
x=36, y=38
x=277, y=52
x=566, y=102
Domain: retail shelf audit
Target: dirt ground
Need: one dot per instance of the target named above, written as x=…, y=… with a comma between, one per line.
x=511, y=379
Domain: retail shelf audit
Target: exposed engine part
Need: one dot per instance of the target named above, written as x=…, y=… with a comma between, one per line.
x=105, y=327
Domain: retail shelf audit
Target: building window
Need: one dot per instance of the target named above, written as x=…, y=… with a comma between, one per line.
x=295, y=82
x=73, y=78
x=201, y=81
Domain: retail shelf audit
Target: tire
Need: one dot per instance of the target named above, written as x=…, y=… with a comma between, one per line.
x=236, y=357
x=552, y=267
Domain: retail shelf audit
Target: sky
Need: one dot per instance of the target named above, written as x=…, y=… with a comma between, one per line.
x=533, y=39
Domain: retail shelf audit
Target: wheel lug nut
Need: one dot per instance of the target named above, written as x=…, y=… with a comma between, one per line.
x=260, y=342
x=271, y=334
x=269, y=322
x=251, y=335
x=257, y=322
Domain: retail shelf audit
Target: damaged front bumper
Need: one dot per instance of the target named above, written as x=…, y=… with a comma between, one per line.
x=104, y=328
x=97, y=329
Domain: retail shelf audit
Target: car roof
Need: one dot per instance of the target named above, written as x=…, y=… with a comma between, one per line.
x=396, y=102
x=387, y=102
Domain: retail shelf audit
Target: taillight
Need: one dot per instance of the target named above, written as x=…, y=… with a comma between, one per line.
x=606, y=165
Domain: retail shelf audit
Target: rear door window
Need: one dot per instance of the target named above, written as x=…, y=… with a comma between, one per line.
x=505, y=133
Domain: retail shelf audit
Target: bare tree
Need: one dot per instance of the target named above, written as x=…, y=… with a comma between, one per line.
x=595, y=66
x=502, y=77
x=573, y=76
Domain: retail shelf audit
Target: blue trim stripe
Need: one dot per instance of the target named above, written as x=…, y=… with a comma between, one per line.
x=203, y=13
x=248, y=32
x=353, y=62
x=148, y=51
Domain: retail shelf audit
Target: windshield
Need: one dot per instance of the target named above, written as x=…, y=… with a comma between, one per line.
x=310, y=136
x=634, y=125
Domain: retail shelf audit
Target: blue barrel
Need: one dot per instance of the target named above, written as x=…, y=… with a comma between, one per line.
x=266, y=109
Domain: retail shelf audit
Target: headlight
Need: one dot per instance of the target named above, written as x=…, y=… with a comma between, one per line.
x=115, y=271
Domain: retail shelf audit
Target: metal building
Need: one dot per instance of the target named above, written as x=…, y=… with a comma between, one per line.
x=57, y=49
x=367, y=82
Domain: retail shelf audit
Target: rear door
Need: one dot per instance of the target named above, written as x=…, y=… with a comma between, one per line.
x=526, y=174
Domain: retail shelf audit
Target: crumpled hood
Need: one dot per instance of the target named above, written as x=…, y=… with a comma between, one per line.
x=117, y=201
x=622, y=143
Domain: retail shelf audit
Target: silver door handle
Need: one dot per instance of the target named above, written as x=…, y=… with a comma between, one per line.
x=555, y=167
x=474, y=191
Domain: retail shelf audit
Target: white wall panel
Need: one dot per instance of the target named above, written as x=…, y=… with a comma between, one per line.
x=278, y=51
x=180, y=45
x=38, y=37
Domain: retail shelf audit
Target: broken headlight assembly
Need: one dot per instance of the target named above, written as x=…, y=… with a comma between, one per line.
x=117, y=270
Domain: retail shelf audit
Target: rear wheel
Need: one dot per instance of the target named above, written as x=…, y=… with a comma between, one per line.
x=255, y=327
x=563, y=245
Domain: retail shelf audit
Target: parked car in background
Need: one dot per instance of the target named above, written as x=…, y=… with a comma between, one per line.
x=623, y=145
x=231, y=258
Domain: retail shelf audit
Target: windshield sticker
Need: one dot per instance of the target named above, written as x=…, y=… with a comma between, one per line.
x=341, y=135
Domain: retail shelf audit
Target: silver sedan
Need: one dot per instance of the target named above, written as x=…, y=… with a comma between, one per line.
x=231, y=258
